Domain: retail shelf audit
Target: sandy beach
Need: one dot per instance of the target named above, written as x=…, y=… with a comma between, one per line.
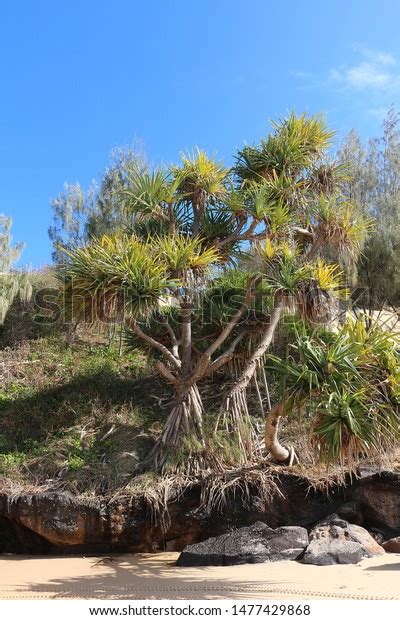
x=155, y=577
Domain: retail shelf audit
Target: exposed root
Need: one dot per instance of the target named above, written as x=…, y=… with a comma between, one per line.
x=181, y=446
x=234, y=420
x=218, y=491
x=293, y=458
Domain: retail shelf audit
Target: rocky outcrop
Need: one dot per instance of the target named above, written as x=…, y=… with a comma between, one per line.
x=67, y=523
x=335, y=541
x=378, y=497
x=60, y=522
x=254, y=544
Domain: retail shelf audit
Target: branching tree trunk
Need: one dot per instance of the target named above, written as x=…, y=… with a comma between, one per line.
x=181, y=444
x=234, y=416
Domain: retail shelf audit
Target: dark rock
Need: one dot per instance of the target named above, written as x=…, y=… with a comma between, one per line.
x=351, y=512
x=392, y=545
x=335, y=541
x=247, y=545
x=57, y=522
x=57, y=517
x=69, y=523
x=377, y=535
x=379, y=500
x=15, y=538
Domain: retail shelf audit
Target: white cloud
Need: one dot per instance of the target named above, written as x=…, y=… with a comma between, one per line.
x=382, y=58
x=385, y=59
x=367, y=75
x=376, y=72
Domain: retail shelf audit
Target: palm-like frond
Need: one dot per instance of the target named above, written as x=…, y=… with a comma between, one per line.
x=348, y=426
x=274, y=250
x=327, y=178
x=179, y=254
x=147, y=193
x=377, y=348
x=236, y=201
x=318, y=292
x=308, y=290
x=220, y=224
x=270, y=196
x=340, y=381
x=296, y=142
x=278, y=219
x=145, y=228
x=285, y=278
x=339, y=225
x=199, y=174
x=329, y=277
x=114, y=276
x=312, y=364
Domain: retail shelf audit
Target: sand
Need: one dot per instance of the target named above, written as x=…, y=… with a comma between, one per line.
x=155, y=577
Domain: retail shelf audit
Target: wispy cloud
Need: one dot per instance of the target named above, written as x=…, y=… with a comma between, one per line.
x=377, y=71
x=365, y=86
x=382, y=58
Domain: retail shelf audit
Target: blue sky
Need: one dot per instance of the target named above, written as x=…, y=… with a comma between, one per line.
x=81, y=77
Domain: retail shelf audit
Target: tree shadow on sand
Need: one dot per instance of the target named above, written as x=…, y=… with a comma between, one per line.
x=150, y=577
x=147, y=578
x=384, y=567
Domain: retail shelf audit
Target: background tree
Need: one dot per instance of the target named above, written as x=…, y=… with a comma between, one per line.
x=12, y=283
x=374, y=188
x=80, y=215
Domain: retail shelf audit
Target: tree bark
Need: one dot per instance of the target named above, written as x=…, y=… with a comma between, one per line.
x=181, y=445
x=262, y=347
x=234, y=416
x=198, y=205
x=186, y=339
x=278, y=452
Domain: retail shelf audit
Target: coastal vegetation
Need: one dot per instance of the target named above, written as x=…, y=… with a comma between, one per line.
x=200, y=319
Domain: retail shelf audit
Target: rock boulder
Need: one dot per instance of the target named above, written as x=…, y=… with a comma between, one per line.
x=392, y=545
x=254, y=544
x=335, y=541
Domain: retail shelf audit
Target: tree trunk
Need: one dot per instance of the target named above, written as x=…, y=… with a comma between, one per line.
x=277, y=451
x=198, y=205
x=234, y=414
x=181, y=445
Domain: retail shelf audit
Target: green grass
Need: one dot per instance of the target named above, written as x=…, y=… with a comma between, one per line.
x=78, y=416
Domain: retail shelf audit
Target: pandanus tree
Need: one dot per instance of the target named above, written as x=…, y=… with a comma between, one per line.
x=296, y=187
x=347, y=384
x=126, y=279
x=182, y=232
x=186, y=226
